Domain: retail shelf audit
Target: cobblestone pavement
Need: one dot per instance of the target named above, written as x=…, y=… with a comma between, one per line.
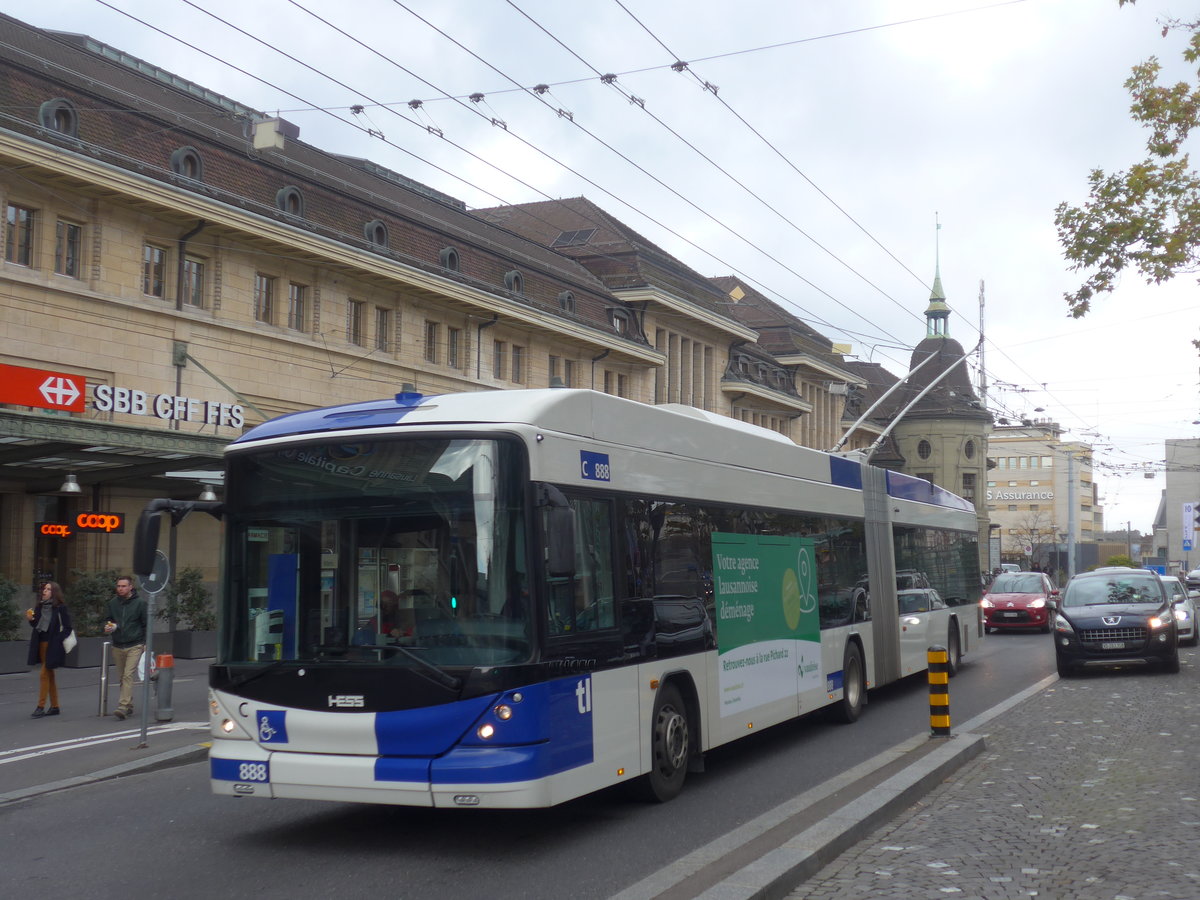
x=1089, y=790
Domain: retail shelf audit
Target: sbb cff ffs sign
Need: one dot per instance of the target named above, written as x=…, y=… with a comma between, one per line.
x=103, y=522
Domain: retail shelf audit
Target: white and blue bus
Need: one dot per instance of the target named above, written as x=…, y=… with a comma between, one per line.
x=514, y=598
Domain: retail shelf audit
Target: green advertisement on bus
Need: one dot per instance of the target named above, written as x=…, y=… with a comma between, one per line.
x=768, y=628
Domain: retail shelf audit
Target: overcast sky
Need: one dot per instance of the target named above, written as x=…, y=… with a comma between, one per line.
x=836, y=133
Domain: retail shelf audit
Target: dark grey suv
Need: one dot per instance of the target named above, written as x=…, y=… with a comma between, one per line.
x=1115, y=616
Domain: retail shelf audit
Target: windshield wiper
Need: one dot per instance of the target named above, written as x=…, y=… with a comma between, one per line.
x=438, y=674
x=257, y=673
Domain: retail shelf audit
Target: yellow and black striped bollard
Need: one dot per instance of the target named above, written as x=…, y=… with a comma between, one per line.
x=939, y=691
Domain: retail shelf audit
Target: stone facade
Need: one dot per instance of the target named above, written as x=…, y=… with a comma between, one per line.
x=193, y=267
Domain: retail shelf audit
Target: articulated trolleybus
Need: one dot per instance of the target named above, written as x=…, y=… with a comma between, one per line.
x=514, y=598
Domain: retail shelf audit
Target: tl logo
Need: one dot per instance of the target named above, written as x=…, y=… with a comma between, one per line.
x=583, y=695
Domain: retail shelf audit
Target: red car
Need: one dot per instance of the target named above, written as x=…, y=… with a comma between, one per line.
x=1018, y=600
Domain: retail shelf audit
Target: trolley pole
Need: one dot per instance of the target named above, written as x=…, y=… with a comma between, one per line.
x=939, y=691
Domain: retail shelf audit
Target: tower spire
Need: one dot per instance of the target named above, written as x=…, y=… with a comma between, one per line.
x=937, y=313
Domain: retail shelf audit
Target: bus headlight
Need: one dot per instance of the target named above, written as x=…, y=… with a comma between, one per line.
x=503, y=712
x=227, y=725
x=486, y=731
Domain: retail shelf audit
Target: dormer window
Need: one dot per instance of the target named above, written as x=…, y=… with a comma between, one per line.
x=290, y=200
x=620, y=321
x=449, y=259
x=566, y=301
x=59, y=115
x=377, y=233
x=186, y=162
x=515, y=281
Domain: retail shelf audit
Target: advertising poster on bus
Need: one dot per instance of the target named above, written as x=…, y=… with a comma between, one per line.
x=768, y=628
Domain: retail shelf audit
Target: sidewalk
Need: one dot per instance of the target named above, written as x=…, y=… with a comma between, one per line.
x=1083, y=788
x=78, y=746
x=1088, y=789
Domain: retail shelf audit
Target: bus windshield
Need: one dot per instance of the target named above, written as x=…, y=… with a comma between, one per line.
x=401, y=551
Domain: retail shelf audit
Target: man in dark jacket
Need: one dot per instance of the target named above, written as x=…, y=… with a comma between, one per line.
x=127, y=628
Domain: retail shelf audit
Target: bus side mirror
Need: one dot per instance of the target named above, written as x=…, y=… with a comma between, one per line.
x=560, y=539
x=145, y=537
x=145, y=541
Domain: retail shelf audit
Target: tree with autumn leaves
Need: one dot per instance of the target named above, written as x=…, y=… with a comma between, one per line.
x=1147, y=217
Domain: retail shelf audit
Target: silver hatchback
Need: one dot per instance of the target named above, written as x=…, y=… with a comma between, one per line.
x=1185, y=609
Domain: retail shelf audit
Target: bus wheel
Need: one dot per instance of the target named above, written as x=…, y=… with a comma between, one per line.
x=953, y=650
x=670, y=745
x=849, y=708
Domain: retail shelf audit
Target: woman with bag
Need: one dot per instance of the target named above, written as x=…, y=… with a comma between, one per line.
x=51, y=623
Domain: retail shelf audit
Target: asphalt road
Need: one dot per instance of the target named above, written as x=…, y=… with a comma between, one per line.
x=165, y=827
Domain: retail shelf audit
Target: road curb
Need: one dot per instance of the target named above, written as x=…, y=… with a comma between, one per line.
x=777, y=871
x=776, y=874
x=180, y=756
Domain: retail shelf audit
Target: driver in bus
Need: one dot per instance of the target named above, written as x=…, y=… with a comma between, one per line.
x=396, y=621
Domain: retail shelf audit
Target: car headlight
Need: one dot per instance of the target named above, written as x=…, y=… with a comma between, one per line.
x=986, y=603
x=1038, y=603
x=1181, y=615
x=1159, y=622
x=1062, y=626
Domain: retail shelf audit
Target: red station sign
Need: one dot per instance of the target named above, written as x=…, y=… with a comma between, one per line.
x=42, y=389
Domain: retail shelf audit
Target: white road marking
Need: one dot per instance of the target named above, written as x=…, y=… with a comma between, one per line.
x=21, y=753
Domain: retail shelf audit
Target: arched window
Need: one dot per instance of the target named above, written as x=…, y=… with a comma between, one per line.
x=969, y=450
x=59, y=115
x=186, y=161
x=290, y=200
x=449, y=259
x=515, y=281
x=924, y=449
x=566, y=301
x=376, y=232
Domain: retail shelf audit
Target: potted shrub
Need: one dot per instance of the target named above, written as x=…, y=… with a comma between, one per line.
x=188, y=602
x=87, y=598
x=14, y=648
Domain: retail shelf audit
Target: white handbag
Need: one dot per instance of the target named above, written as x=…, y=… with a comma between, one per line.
x=70, y=641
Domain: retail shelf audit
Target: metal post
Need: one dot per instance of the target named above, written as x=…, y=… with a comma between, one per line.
x=148, y=656
x=105, y=649
x=939, y=691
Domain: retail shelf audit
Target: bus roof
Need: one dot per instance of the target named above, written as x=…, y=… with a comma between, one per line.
x=671, y=428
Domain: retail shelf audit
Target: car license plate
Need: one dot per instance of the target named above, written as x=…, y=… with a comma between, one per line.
x=1112, y=645
x=1011, y=615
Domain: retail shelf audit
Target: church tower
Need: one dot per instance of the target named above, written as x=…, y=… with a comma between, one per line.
x=943, y=438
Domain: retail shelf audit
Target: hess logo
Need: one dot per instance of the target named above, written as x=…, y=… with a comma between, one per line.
x=346, y=701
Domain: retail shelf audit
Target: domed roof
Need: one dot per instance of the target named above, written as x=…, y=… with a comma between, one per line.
x=954, y=394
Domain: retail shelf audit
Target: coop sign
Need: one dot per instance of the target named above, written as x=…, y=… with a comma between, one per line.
x=103, y=522
x=171, y=407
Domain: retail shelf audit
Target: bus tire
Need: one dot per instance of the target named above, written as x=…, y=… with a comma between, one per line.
x=849, y=708
x=953, y=650
x=670, y=746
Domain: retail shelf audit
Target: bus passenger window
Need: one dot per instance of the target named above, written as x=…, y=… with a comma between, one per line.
x=585, y=602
